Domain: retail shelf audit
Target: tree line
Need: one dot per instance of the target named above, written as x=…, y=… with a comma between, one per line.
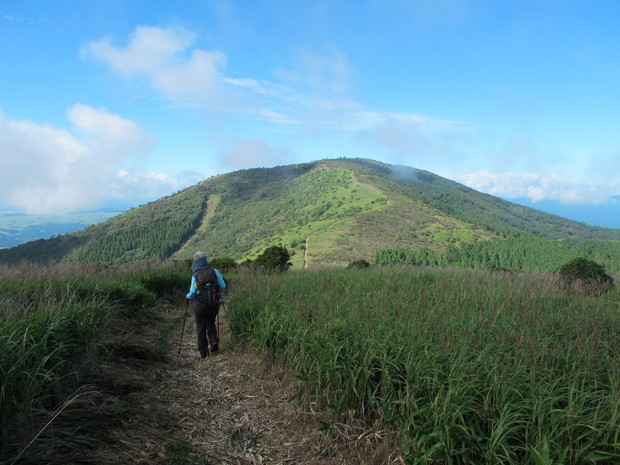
x=522, y=253
x=159, y=240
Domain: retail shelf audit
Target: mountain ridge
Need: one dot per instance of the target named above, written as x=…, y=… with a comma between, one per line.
x=329, y=211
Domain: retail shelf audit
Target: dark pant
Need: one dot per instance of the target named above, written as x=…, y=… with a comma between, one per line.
x=205, y=326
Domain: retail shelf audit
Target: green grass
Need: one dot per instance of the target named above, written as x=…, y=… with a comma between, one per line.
x=51, y=318
x=464, y=367
x=319, y=199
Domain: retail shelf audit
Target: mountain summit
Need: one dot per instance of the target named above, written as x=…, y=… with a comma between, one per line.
x=327, y=212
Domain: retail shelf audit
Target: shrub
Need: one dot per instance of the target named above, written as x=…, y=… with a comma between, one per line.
x=275, y=258
x=224, y=264
x=586, y=275
x=358, y=264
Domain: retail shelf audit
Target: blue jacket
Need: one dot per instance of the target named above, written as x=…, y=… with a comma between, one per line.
x=194, y=286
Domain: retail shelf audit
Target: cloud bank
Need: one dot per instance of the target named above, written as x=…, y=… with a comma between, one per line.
x=45, y=169
x=538, y=187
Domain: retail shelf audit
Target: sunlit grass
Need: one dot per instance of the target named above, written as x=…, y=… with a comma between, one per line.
x=465, y=367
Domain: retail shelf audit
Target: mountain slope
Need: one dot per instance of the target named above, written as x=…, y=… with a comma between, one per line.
x=340, y=210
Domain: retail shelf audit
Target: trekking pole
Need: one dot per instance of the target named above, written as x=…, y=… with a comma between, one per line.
x=184, y=318
x=218, y=319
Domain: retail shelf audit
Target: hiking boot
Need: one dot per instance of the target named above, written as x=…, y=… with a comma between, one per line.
x=215, y=347
x=204, y=355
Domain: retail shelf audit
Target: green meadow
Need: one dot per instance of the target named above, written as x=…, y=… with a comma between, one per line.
x=459, y=366
x=462, y=366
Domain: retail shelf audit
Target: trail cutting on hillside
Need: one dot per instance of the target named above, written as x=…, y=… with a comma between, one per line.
x=231, y=408
x=210, y=206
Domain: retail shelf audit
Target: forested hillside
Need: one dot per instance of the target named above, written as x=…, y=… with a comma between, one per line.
x=154, y=230
x=523, y=253
x=327, y=212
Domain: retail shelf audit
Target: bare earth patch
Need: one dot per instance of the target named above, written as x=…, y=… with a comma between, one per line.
x=231, y=408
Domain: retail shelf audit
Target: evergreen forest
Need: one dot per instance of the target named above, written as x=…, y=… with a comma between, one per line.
x=519, y=253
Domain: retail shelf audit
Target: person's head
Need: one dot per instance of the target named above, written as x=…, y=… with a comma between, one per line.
x=200, y=261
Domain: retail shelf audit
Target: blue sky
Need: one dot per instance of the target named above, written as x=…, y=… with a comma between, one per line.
x=122, y=100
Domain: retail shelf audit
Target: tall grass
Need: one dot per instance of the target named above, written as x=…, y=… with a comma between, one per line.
x=465, y=367
x=50, y=320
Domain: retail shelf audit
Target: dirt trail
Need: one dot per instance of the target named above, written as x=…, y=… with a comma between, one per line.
x=231, y=408
x=308, y=242
x=306, y=253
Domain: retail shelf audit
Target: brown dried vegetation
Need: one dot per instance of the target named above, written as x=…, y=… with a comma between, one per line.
x=232, y=408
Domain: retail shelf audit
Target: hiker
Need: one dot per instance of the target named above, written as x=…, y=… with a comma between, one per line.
x=207, y=282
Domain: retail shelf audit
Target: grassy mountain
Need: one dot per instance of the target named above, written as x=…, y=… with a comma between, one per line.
x=327, y=212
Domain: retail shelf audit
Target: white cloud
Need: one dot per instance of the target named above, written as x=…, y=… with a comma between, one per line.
x=136, y=185
x=149, y=50
x=161, y=57
x=251, y=153
x=410, y=138
x=107, y=132
x=323, y=74
x=538, y=187
x=185, y=75
x=46, y=169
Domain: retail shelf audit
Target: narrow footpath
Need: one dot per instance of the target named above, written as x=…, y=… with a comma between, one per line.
x=306, y=253
x=231, y=408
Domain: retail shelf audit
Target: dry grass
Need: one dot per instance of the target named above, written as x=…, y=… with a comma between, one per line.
x=232, y=408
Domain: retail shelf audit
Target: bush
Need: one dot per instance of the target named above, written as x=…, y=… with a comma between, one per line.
x=358, y=264
x=585, y=275
x=224, y=264
x=275, y=258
